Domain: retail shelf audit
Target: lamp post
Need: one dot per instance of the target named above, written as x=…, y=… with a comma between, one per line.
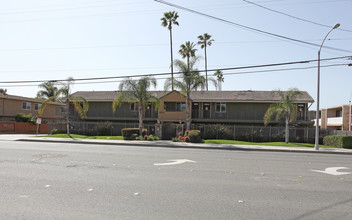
x=316, y=147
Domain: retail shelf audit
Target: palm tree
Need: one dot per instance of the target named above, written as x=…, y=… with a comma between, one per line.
x=190, y=81
x=64, y=95
x=187, y=50
x=136, y=91
x=204, y=41
x=48, y=90
x=168, y=20
x=3, y=91
x=285, y=108
x=219, y=78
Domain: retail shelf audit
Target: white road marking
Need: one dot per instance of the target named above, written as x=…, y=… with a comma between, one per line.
x=174, y=162
x=333, y=171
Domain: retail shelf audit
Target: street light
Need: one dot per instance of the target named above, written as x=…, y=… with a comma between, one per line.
x=318, y=91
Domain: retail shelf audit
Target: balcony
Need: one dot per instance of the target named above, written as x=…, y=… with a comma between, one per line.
x=335, y=121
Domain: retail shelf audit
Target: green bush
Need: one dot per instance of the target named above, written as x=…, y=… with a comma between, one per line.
x=194, y=136
x=132, y=133
x=175, y=140
x=341, y=141
x=57, y=131
x=25, y=118
x=218, y=131
x=104, y=129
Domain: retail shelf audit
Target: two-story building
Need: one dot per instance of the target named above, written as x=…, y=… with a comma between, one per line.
x=11, y=105
x=207, y=107
x=335, y=118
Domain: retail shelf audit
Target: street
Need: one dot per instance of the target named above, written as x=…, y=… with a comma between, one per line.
x=77, y=181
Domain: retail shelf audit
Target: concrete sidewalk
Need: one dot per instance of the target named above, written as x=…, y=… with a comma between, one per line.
x=169, y=144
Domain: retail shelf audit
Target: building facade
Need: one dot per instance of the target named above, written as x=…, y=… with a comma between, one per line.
x=11, y=105
x=335, y=118
x=207, y=107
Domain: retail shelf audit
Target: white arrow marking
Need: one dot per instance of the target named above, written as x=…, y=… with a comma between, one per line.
x=333, y=171
x=174, y=162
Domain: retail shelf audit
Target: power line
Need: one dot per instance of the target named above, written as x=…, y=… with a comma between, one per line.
x=162, y=74
x=249, y=28
x=234, y=73
x=291, y=16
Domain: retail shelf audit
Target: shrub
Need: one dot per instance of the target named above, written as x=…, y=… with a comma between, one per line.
x=25, y=118
x=175, y=140
x=186, y=139
x=218, y=131
x=150, y=138
x=145, y=137
x=194, y=136
x=132, y=133
x=140, y=138
x=156, y=138
x=104, y=129
x=57, y=131
x=341, y=141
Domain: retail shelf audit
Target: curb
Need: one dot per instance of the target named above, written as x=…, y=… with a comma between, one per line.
x=223, y=147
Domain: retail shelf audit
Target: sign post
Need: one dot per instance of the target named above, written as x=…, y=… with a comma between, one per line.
x=38, y=122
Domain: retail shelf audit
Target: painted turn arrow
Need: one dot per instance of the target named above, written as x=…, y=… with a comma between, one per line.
x=174, y=162
x=333, y=171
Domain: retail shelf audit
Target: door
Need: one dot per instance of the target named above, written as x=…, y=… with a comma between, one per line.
x=195, y=109
x=206, y=110
x=148, y=110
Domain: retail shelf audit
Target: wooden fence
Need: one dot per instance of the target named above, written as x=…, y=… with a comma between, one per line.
x=13, y=127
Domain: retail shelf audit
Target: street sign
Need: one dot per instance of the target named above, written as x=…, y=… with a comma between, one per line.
x=333, y=171
x=39, y=121
x=175, y=162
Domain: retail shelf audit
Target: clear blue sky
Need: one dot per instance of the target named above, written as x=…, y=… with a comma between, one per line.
x=56, y=39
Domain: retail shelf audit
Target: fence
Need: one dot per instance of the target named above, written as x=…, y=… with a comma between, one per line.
x=217, y=131
x=22, y=128
x=99, y=128
x=260, y=133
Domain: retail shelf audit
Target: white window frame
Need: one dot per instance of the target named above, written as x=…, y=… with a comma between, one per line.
x=28, y=105
x=221, y=104
x=37, y=106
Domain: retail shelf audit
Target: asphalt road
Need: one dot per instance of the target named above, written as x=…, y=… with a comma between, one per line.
x=74, y=181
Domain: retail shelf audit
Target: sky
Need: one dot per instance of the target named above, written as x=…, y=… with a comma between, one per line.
x=57, y=39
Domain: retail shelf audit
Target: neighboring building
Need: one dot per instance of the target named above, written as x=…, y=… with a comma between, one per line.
x=11, y=105
x=208, y=107
x=335, y=118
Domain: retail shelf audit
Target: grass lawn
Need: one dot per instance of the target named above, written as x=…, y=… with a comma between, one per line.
x=85, y=137
x=219, y=141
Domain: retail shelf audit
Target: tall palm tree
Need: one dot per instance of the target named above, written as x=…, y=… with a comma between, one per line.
x=64, y=95
x=285, y=108
x=190, y=81
x=49, y=89
x=187, y=50
x=204, y=41
x=219, y=78
x=169, y=19
x=136, y=91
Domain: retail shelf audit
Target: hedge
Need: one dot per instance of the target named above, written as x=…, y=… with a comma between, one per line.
x=132, y=133
x=341, y=141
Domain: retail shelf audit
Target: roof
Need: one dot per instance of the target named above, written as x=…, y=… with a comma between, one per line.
x=203, y=96
x=22, y=98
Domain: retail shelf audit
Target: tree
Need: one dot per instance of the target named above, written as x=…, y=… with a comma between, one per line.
x=204, y=41
x=285, y=108
x=169, y=19
x=64, y=95
x=48, y=90
x=136, y=91
x=3, y=91
x=187, y=50
x=219, y=78
x=190, y=81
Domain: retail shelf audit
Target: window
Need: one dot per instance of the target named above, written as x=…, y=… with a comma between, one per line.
x=37, y=106
x=339, y=113
x=26, y=105
x=134, y=107
x=220, y=107
x=174, y=106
